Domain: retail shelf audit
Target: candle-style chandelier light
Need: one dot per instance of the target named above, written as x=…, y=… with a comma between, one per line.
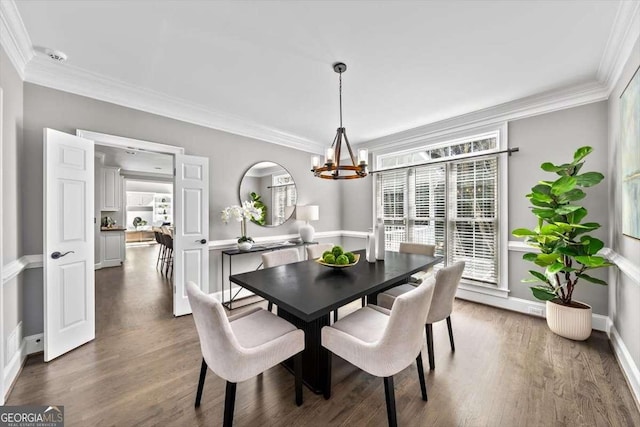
x=332, y=169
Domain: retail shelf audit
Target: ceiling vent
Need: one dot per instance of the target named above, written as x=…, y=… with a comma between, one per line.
x=56, y=55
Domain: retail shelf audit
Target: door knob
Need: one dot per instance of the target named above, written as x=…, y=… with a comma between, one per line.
x=57, y=254
x=203, y=241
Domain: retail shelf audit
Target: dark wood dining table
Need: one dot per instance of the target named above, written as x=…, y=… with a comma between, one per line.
x=307, y=292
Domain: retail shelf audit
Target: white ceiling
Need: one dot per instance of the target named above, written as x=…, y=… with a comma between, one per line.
x=137, y=161
x=268, y=64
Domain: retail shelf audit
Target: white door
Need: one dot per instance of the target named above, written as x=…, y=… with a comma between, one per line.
x=69, y=287
x=191, y=233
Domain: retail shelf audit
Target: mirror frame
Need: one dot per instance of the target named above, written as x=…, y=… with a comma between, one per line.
x=291, y=214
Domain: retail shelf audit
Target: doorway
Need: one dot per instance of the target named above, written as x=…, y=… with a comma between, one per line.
x=71, y=223
x=134, y=224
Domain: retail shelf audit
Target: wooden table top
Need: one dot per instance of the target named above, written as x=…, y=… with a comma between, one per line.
x=309, y=290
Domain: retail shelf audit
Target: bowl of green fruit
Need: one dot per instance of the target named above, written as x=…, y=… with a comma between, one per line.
x=338, y=258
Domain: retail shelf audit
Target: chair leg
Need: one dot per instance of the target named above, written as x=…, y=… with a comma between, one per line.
x=453, y=346
x=297, y=367
x=270, y=306
x=203, y=374
x=423, y=384
x=159, y=253
x=229, y=403
x=327, y=384
x=335, y=315
x=391, y=401
x=432, y=362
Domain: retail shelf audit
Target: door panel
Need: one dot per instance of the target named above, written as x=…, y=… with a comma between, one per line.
x=69, y=288
x=191, y=234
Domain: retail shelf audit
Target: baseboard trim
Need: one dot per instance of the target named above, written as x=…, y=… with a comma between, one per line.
x=34, y=343
x=600, y=322
x=627, y=365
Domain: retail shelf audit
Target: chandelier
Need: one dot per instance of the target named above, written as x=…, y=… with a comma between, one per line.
x=332, y=169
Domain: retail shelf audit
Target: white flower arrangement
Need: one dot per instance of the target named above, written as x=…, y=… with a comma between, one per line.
x=242, y=214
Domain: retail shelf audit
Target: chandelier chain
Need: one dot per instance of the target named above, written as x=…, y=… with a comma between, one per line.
x=340, y=98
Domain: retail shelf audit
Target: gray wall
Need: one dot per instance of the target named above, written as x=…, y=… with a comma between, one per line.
x=624, y=292
x=554, y=138
x=12, y=124
x=229, y=157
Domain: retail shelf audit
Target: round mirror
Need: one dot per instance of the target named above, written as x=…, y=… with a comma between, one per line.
x=272, y=189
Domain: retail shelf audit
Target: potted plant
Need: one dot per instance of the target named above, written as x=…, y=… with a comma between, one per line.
x=566, y=250
x=255, y=197
x=248, y=210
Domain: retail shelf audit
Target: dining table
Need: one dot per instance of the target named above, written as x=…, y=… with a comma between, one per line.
x=306, y=292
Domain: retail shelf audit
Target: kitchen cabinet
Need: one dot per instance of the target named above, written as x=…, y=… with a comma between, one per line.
x=111, y=188
x=112, y=248
x=135, y=199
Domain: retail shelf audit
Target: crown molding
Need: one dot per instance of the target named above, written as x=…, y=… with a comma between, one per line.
x=68, y=78
x=624, y=34
x=14, y=37
x=518, y=109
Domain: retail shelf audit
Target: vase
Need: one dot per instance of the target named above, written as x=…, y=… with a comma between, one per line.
x=245, y=246
x=573, y=322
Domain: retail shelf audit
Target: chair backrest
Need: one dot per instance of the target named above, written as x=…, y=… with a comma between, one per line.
x=316, y=251
x=403, y=337
x=447, y=281
x=276, y=258
x=220, y=348
x=158, y=236
x=167, y=240
x=417, y=248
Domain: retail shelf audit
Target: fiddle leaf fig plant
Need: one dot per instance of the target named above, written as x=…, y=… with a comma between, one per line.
x=566, y=250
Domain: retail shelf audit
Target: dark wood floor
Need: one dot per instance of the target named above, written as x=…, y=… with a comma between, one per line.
x=142, y=370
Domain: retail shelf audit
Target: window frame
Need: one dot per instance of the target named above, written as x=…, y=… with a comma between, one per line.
x=500, y=132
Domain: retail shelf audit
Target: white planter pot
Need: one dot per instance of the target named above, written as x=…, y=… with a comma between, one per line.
x=569, y=322
x=245, y=246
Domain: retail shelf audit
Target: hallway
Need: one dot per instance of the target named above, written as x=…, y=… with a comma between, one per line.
x=133, y=295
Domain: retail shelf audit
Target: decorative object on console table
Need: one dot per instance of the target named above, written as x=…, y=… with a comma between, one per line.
x=307, y=213
x=566, y=252
x=248, y=210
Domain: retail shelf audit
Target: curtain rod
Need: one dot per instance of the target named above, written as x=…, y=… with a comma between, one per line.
x=281, y=185
x=435, y=162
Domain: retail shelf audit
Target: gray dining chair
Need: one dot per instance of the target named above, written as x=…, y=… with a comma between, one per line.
x=316, y=251
x=382, y=342
x=419, y=249
x=280, y=257
x=242, y=346
x=447, y=280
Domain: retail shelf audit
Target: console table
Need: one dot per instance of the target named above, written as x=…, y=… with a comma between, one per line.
x=265, y=247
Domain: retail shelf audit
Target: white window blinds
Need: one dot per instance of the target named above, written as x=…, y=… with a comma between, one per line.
x=391, y=198
x=453, y=205
x=473, y=227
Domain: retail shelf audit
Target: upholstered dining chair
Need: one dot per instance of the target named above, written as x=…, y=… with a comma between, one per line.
x=419, y=249
x=447, y=280
x=316, y=251
x=382, y=342
x=242, y=346
x=281, y=257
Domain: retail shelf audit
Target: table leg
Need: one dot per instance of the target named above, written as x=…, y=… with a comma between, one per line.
x=314, y=356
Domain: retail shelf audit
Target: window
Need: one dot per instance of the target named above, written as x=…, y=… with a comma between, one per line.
x=452, y=203
x=284, y=194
